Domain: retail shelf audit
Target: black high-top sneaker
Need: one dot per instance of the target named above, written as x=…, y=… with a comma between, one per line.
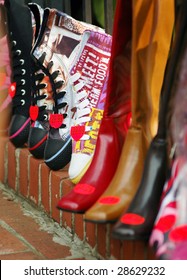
x=20, y=42
x=58, y=47
x=42, y=103
x=40, y=107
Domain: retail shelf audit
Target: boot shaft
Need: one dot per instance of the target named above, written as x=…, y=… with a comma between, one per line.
x=152, y=33
x=167, y=92
x=178, y=126
x=20, y=44
x=119, y=83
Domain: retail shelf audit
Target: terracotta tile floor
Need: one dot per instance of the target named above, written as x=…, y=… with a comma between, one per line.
x=28, y=234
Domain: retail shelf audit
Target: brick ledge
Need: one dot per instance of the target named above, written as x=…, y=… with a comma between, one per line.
x=32, y=179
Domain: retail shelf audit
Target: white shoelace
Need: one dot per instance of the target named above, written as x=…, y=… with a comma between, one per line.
x=82, y=105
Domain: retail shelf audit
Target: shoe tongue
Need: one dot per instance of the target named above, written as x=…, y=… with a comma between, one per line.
x=36, y=19
x=33, y=20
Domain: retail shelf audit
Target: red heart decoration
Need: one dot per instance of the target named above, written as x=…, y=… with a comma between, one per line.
x=132, y=219
x=56, y=120
x=12, y=89
x=77, y=132
x=33, y=111
x=109, y=200
x=84, y=189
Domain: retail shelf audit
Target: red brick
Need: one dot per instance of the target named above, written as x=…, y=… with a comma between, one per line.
x=20, y=256
x=11, y=166
x=150, y=253
x=45, y=172
x=27, y=228
x=23, y=178
x=79, y=225
x=34, y=179
x=10, y=244
x=66, y=168
x=101, y=239
x=3, y=143
x=139, y=250
x=67, y=186
x=116, y=248
x=91, y=234
x=128, y=250
x=56, y=179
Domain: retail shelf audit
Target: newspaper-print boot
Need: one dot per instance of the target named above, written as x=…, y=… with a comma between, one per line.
x=60, y=44
x=91, y=72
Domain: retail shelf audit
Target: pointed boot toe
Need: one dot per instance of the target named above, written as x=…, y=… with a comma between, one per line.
x=132, y=226
x=128, y=231
x=100, y=214
x=69, y=205
x=119, y=232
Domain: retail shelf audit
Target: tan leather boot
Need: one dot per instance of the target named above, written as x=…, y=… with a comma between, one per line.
x=152, y=32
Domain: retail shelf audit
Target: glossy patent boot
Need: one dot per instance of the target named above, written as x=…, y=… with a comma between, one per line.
x=151, y=42
x=138, y=220
x=115, y=122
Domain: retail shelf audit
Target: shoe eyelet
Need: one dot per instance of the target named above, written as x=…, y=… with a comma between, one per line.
x=18, y=52
x=22, y=81
x=23, y=71
x=22, y=102
x=23, y=92
x=62, y=81
x=14, y=43
x=22, y=61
